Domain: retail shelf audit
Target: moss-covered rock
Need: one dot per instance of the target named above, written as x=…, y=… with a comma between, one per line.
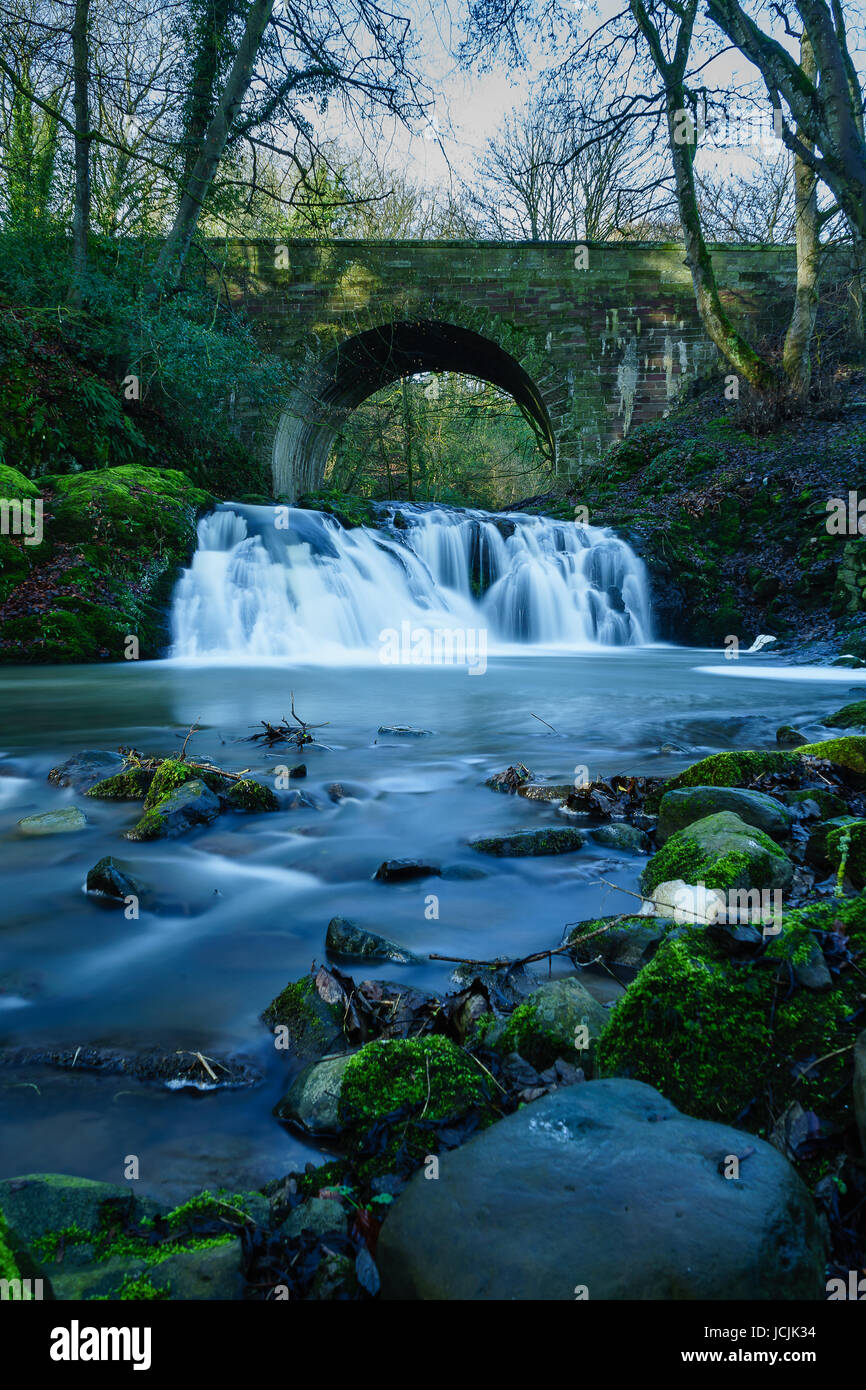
x=132, y=784
x=733, y=769
x=851, y=716
x=422, y=1083
x=520, y=843
x=248, y=795
x=849, y=752
x=828, y=803
x=846, y=850
x=684, y=805
x=720, y=1037
x=190, y=805
x=624, y=943
x=173, y=773
x=720, y=851
x=547, y=1025
x=112, y=544
x=312, y=1026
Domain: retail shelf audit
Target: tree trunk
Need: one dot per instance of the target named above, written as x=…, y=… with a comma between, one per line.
x=169, y=266
x=683, y=146
x=796, y=356
x=81, y=108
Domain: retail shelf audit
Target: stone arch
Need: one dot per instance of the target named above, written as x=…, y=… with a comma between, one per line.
x=369, y=356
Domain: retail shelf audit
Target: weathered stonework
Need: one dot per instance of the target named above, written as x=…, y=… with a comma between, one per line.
x=590, y=341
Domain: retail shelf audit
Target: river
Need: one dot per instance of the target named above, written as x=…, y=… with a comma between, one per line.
x=241, y=907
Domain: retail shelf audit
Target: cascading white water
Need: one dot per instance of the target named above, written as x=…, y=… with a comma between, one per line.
x=289, y=583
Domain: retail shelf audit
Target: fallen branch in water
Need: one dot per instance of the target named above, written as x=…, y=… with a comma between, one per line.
x=285, y=733
x=503, y=963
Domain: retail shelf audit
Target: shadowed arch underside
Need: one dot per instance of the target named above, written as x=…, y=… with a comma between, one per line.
x=363, y=364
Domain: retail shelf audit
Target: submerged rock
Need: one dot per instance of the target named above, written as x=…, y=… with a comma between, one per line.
x=110, y=880
x=84, y=769
x=64, y=822
x=787, y=737
x=190, y=805
x=683, y=807
x=619, y=836
x=403, y=870
x=351, y=942
x=605, y=1189
x=404, y=731
x=519, y=843
x=851, y=716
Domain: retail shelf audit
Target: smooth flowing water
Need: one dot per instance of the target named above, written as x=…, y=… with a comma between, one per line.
x=242, y=906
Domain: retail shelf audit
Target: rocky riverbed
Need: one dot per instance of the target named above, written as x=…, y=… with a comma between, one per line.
x=482, y=1139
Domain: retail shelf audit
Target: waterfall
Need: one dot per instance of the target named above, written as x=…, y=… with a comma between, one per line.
x=285, y=582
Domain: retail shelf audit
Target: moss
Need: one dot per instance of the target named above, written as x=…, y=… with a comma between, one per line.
x=682, y=857
x=846, y=850
x=312, y=1023
x=8, y=1263
x=130, y=785
x=847, y=752
x=14, y=486
x=150, y=827
x=525, y=1033
x=105, y=568
x=138, y=1288
x=722, y=1037
x=248, y=795
x=173, y=773
x=848, y=717
x=423, y=1081
x=199, y=1224
x=738, y=769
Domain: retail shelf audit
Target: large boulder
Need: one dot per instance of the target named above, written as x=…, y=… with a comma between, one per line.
x=720, y=851
x=686, y=805
x=604, y=1191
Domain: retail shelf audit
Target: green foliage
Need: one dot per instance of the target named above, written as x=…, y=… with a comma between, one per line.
x=439, y=438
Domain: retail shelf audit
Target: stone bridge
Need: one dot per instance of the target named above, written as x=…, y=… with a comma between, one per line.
x=590, y=340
